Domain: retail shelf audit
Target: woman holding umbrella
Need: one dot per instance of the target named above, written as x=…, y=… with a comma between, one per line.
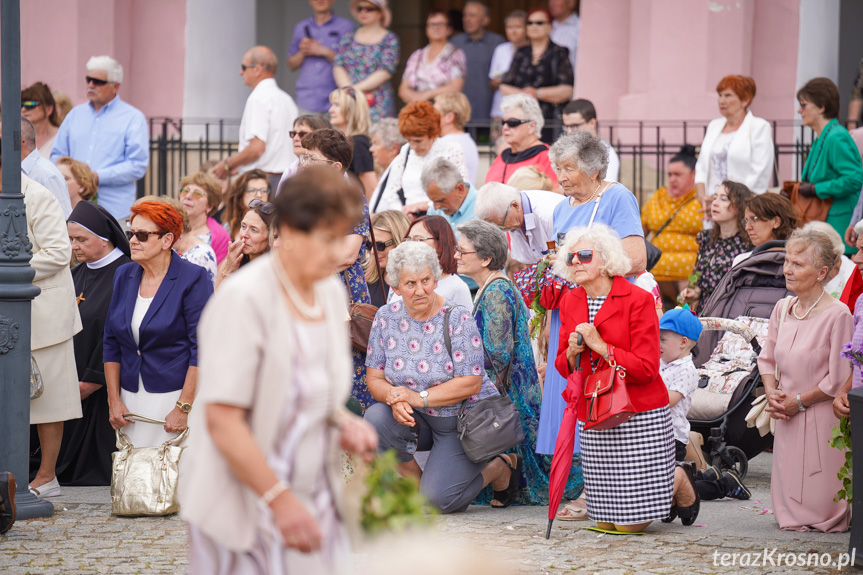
x=629, y=471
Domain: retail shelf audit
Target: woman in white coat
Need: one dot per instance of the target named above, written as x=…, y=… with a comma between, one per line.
x=54, y=320
x=737, y=147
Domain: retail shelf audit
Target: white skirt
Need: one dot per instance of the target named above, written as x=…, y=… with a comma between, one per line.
x=155, y=405
x=61, y=400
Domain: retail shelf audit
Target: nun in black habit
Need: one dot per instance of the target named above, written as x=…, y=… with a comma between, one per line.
x=100, y=247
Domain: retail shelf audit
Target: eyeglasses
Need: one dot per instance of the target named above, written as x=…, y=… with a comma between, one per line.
x=381, y=246
x=293, y=134
x=143, y=236
x=260, y=205
x=258, y=191
x=245, y=67
x=197, y=194
x=29, y=104
x=584, y=256
x=368, y=9
x=418, y=239
x=307, y=159
x=752, y=220
x=437, y=25
x=461, y=252
x=95, y=81
x=502, y=224
x=570, y=128
x=537, y=22
x=515, y=122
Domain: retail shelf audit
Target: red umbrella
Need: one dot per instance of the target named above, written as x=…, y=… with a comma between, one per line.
x=561, y=463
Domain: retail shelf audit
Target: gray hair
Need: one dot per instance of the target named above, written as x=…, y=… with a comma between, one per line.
x=858, y=228
x=830, y=232
x=583, y=149
x=442, y=172
x=527, y=104
x=388, y=131
x=28, y=133
x=492, y=200
x=109, y=65
x=488, y=240
x=822, y=248
x=606, y=244
x=412, y=257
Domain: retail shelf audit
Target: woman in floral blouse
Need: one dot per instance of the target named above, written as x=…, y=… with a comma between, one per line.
x=420, y=384
x=439, y=68
x=718, y=246
x=367, y=58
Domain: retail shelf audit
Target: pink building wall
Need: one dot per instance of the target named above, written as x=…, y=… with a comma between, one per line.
x=146, y=36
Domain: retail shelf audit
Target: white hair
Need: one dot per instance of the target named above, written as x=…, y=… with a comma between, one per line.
x=414, y=257
x=388, y=131
x=492, y=200
x=606, y=244
x=830, y=232
x=858, y=228
x=109, y=65
x=527, y=104
x=582, y=149
x=442, y=172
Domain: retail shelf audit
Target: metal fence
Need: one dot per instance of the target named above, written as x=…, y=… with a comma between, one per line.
x=180, y=146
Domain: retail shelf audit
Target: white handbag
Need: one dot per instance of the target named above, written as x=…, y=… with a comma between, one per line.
x=758, y=417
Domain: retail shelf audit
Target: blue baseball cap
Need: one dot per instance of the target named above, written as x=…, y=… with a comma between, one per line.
x=682, y=321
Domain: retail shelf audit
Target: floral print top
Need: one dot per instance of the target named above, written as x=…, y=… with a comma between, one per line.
x=361, y=60
x=413, y=353
x=714, y=259
x=447, y=66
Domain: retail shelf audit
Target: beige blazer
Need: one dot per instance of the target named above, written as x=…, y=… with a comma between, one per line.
x=54, y=313
x=243, y=362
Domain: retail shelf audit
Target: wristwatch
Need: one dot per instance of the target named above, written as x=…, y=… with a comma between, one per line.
x=226, y=166
x=184, y=407
x=800, y=403
x=425, y=395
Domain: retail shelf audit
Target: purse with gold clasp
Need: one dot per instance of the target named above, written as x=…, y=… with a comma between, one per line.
x=608, y=403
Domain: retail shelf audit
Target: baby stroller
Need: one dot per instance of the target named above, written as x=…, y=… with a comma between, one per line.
x=728, y=369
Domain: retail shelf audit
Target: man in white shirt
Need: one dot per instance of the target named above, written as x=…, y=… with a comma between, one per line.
x=36, y=167
x=267, y=118
x=528, y=216
x=580, y=116
x=564, y=27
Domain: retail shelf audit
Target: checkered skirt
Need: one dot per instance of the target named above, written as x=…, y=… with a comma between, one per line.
x=629, y=469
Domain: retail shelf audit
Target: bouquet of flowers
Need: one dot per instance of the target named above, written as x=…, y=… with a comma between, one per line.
x=393, y=502
x=842, y=433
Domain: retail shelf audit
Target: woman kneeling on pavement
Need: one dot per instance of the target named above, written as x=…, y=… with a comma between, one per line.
x=420, y=384
x=630, y=478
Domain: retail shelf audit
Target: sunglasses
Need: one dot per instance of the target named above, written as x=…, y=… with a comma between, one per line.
x=515, y=122
x=584, y=256
x=197, y=194
x=536, y=22
x=381, y=246
x=349, y=90
x=95, y=81
x=293, y=134
x=243, y=67
x=260, y=205
x=368, y=9
x=143, y=236
x=29, y=104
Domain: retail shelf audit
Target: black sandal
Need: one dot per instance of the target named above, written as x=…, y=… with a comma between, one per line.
x=688, y=515
x=508, y=496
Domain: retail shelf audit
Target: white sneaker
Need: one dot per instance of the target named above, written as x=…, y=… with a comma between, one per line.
x=50, y=489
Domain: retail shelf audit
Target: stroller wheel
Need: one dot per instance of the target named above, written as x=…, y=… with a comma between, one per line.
x=732, y=458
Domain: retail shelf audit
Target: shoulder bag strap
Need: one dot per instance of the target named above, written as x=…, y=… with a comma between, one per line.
x=401, y=191
x=383, y=187
x=674, y=215
x=595, y=207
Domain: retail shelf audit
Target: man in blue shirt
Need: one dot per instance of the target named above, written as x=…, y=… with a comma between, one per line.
x=312, y=50
x=108, y=135
x=37, y=168
x=478, y=45
x=449, y=196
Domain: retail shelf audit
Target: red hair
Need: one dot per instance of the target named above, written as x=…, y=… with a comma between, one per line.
x=166, y=218
x=743, y=86
x=442, y=232
x=418, y=120
x=543, y=11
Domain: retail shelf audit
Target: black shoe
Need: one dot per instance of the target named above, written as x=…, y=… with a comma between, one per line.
x=509, y=495
x=711, y=474
x=688, y=515
x=734, y=487
x=7, y=501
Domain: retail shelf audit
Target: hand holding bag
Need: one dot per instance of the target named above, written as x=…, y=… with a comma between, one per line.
x=810, y=209
x=144, y=479
x=758, y=417
x=608, y=403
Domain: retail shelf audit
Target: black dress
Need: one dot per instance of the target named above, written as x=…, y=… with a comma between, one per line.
x=362, y=161
x=553, y=69
x=85, y=454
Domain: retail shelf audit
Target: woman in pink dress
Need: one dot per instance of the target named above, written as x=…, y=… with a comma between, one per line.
x=803, y=370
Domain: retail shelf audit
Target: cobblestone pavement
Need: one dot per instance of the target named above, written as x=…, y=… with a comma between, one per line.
x=83, y=537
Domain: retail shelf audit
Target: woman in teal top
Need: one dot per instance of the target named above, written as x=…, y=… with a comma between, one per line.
x=833, y=168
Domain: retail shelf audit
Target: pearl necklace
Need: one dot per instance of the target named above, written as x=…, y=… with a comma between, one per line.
x=314, y=311
x=808, y=310
x=591, y=195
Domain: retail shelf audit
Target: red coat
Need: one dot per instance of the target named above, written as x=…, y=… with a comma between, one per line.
x=628, y=321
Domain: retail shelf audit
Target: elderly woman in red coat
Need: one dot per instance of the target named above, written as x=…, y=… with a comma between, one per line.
x=630, y=478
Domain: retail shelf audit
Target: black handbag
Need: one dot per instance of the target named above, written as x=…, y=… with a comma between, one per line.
x=492, y=426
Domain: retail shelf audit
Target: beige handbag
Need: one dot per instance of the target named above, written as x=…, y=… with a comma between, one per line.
x=757, y=416
x=144, y=479
x=37, y=388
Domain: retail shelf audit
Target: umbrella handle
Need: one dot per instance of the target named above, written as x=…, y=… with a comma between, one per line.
x=578, y=355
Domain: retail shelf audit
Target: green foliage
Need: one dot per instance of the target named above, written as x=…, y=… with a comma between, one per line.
x=693, y=283
x=539, y=311
x=842, y=440
x=393, y=502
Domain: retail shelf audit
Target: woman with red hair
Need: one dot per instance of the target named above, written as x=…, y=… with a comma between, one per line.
x=736, y=147
x=419, y=123
x=151, y=345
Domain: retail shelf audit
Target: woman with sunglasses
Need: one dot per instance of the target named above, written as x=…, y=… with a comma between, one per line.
x=38, y=106
x=368, y=57
x=420, y=384
x=542, y=69
x=303, y=126
x=349, y=114
x=390, y=228
x=437, y=69
x=151, y=341
x=522, y=127
x=201, y=195
x=630, y=478
x=254, y=240
x=249, y=186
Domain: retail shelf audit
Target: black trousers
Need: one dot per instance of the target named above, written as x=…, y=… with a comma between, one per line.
x=707, y=489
